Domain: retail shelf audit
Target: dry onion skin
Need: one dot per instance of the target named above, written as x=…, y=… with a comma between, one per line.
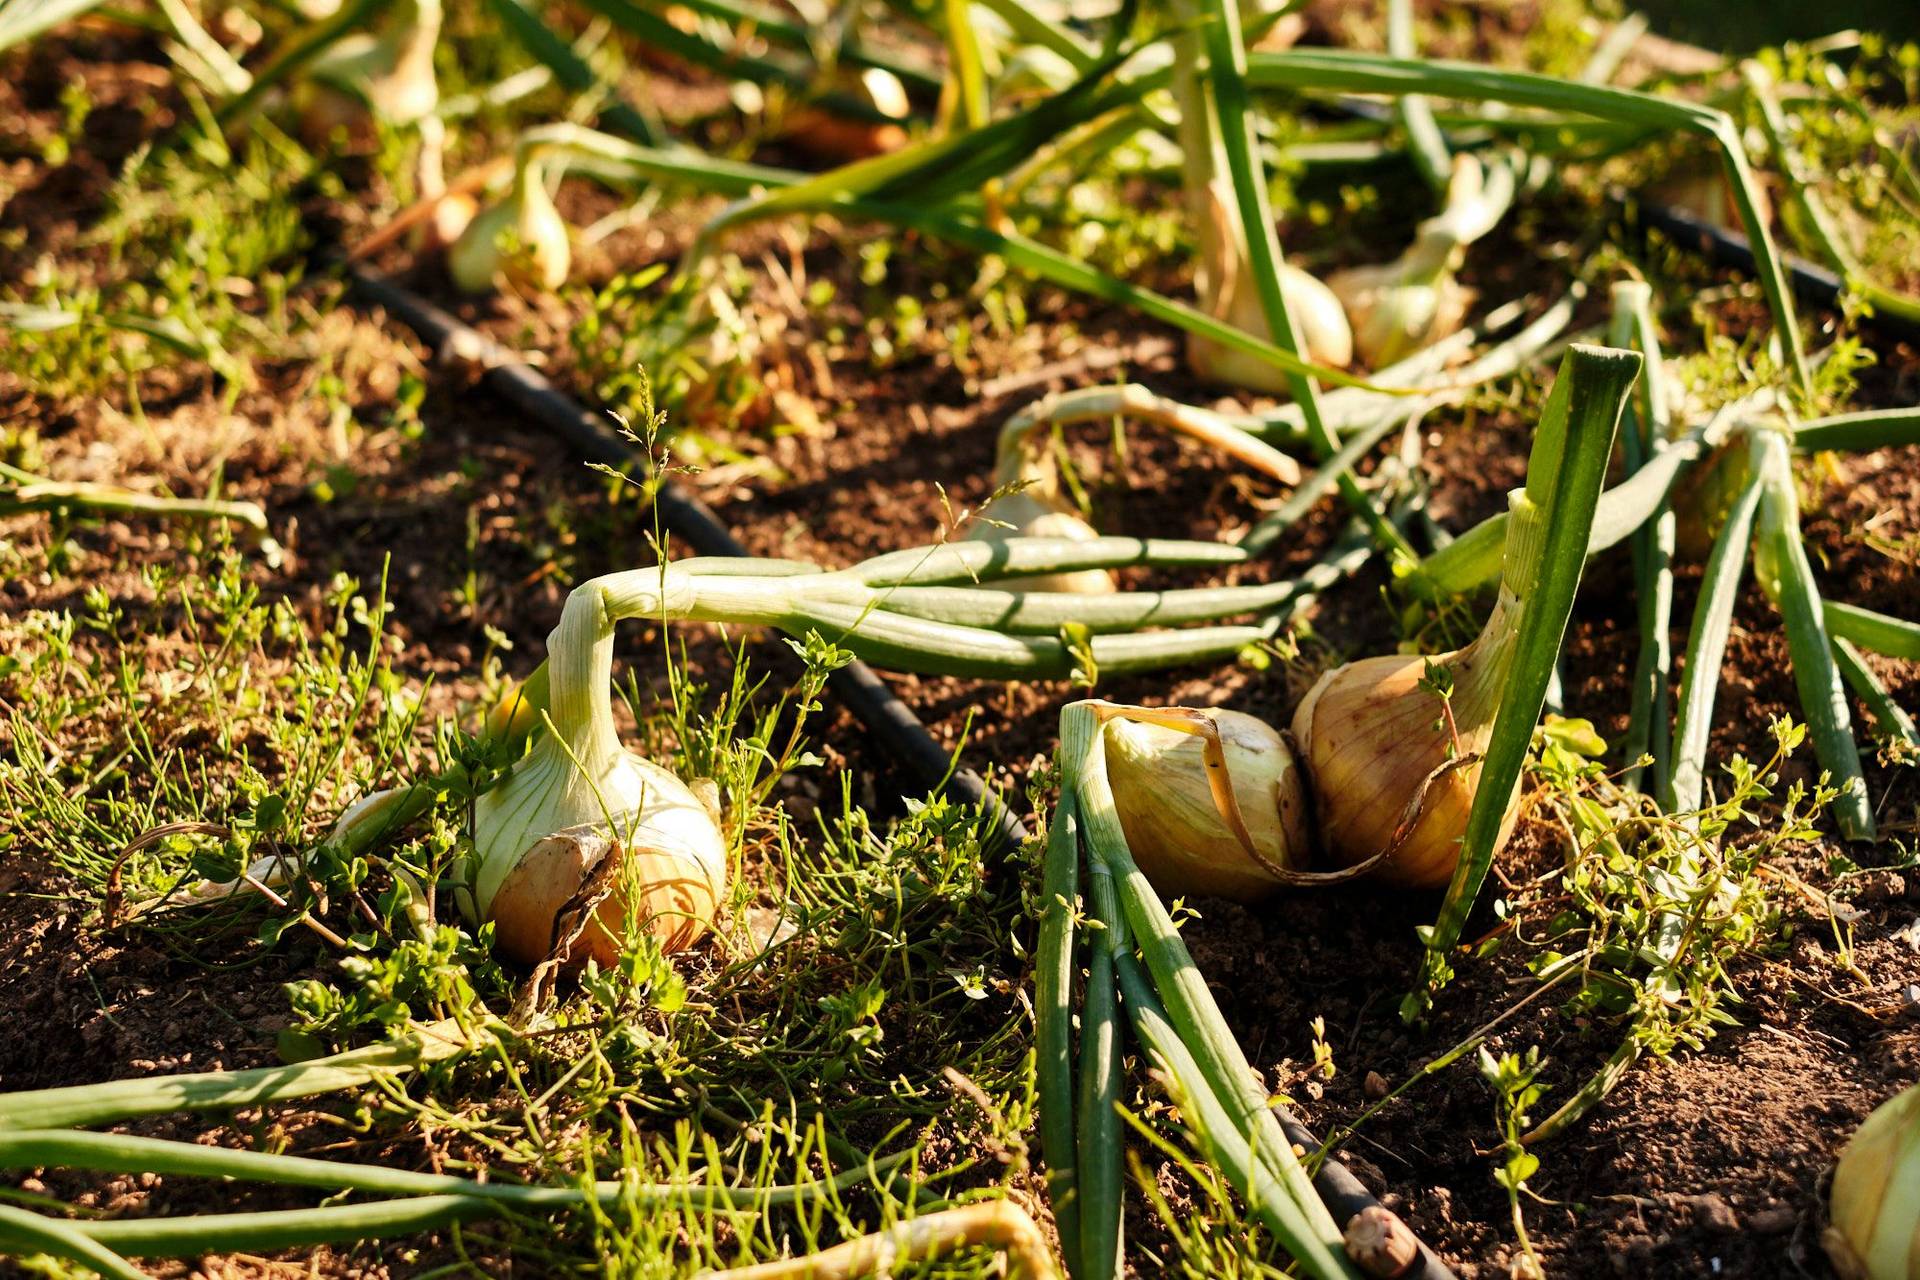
x=1394, y=766
x=1173, y=823
x=585, y=841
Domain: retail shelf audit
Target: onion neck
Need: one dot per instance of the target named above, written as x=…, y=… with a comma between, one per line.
x=414, y=38
x=580, y=665
x=1480, y=670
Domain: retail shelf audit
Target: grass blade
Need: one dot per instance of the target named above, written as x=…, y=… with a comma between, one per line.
x=1424, y=141
x=22, y=20
x=1099, y=1166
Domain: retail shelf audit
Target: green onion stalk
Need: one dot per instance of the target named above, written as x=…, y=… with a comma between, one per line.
x=1341, y=70
x=1026, y=477
x=583, y=842
x=416, y=1201
x=1226, y=276
x=1550, y=524
x=1177, y=1019
x=22, y=491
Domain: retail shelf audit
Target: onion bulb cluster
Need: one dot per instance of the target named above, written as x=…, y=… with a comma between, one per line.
x=1378, y=779
x=585, y=840
x=1875, y=1232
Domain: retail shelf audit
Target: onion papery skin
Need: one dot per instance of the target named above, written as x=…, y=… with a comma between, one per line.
x=1172, y=824
x=671, y=877
x=1875, y=1233
x=1368, y=735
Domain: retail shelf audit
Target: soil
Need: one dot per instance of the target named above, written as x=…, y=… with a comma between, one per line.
x=1711, y=1162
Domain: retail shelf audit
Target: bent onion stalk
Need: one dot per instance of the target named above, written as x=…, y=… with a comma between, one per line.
x=1027, y=477
x=1565, y=471
x=584, y=840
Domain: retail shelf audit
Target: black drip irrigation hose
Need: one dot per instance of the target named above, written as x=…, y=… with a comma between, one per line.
x=857, y=685
x=1814, y=285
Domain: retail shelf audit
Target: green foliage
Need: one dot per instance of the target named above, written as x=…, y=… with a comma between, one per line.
x=1514, y=1079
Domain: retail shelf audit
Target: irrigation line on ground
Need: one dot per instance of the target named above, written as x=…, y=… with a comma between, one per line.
x=863, y=691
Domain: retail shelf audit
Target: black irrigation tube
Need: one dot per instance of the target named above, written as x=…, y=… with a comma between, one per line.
x=1813, y=285
x=857, y=685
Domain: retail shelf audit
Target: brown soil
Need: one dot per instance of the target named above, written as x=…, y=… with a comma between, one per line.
x=1710, y=1163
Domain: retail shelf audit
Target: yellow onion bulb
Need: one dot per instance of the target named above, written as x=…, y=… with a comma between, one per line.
x=1320, y=327
x=520, y=242
x=584, y=841
x=1390, y=779
x=1394, y=313
x=668, y=879
x=1026, y=513
x=1875, y=1202
x=1320, y=323
x=1173, y=824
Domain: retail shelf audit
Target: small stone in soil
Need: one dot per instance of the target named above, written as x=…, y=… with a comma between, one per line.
x=1711, y=1213
x=1374, y=1086
x=1774, y=1220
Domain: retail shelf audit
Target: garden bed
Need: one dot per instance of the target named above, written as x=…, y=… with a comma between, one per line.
x=379, y=461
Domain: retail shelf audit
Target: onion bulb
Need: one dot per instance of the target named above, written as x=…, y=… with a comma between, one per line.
x=1180, y=829
x=584, y=839
x=1319, y=322
x=1393, y=765
x=386, y=76
x=1038, y=508
x=1045, y=514
x=1415, y=301
x=1875, y=1233
x=519, y=241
